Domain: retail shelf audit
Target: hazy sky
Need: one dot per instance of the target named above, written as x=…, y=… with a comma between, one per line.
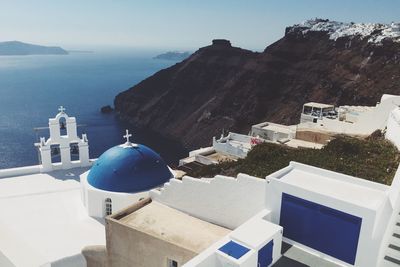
x=174, y=24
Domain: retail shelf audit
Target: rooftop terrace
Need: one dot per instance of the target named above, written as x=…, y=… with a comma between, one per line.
x=173, y=226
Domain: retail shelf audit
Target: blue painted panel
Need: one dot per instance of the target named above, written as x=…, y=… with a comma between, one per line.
x=327, y=230
x=265, y=254
x=234, y=249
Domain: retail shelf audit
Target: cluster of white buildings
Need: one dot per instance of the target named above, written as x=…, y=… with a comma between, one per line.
x=127, y=208
x=319, y=123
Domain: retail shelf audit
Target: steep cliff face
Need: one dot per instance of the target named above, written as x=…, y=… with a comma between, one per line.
x=224, y=87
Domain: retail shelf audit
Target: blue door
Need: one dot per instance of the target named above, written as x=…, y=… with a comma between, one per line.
x=265, y=255
x=327, y=230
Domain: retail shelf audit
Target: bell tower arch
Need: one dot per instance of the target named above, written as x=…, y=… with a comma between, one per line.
x=63, y=122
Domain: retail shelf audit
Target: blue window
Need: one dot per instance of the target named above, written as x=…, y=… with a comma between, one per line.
x=327, y=230
x=234, y=249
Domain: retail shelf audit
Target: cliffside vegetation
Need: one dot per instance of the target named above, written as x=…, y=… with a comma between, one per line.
x=373, y=158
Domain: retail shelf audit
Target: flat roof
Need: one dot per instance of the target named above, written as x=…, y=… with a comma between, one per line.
x=174, y=226
x=255, y=231
x=280, y=128
x=318, y=105
x=43, y=219
x=340, y=186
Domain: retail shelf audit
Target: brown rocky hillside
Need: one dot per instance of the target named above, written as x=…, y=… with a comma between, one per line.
x=224, y=87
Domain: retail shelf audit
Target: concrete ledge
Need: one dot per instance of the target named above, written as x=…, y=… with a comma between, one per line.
x=19, y=171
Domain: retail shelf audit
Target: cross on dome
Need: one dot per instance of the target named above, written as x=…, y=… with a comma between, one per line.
x=61, y=109
x=128, y=142
x=127, y=136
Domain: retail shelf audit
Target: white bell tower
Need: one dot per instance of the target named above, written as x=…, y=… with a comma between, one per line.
x=63, y=144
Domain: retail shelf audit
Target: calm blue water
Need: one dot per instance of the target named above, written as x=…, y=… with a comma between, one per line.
x=32, y=88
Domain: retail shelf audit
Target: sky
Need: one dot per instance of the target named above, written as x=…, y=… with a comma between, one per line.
x=174, y=24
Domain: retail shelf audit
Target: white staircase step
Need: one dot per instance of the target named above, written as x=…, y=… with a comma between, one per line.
x=394, y=254
x=395, y=248
x=395, y=241
x=396, y=230
x=387, y=263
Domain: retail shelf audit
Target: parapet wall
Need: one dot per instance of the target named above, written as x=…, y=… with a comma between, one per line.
x=225, y=201
x=393, y=127
x=5, y=173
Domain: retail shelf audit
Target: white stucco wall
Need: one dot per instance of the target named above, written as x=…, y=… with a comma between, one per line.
x=393, y=127
x=6, y=173
x=365, y=123
x=272, y=131
x=225, y=201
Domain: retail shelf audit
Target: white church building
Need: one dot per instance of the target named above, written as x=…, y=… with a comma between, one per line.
x=51, y=211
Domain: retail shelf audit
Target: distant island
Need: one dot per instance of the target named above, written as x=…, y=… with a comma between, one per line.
x=80, y=51
x=173, y=55
x=16, y=48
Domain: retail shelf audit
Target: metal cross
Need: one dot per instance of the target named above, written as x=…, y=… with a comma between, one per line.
x=127, y=136
x=61, y=109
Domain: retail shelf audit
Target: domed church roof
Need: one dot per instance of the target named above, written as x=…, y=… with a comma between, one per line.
x=129, y=168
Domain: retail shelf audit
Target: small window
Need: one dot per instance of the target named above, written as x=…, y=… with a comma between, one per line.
x=108, y=205
x=172, y=263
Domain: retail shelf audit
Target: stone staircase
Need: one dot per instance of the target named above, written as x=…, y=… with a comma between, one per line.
x=392, y=255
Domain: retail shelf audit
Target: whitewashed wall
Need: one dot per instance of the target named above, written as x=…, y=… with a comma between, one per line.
x=366, y=122
x=230, y=149
x=393, y=127
x=19, y=171
x=225, y=201
x=279, y=132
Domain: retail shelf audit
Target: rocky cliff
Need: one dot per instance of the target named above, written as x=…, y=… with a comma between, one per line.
x=224, y=87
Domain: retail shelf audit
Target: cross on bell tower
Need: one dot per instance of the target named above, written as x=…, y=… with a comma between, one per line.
x=61, y=109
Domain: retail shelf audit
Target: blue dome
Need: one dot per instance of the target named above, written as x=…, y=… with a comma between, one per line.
x=129, y=169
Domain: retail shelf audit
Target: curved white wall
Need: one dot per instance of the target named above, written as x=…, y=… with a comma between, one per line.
x=94, y=199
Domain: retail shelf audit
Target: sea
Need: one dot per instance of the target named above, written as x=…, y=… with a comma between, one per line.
x=33, y=87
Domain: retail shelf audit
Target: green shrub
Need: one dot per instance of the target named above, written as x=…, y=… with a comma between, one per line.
x=374, y=159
